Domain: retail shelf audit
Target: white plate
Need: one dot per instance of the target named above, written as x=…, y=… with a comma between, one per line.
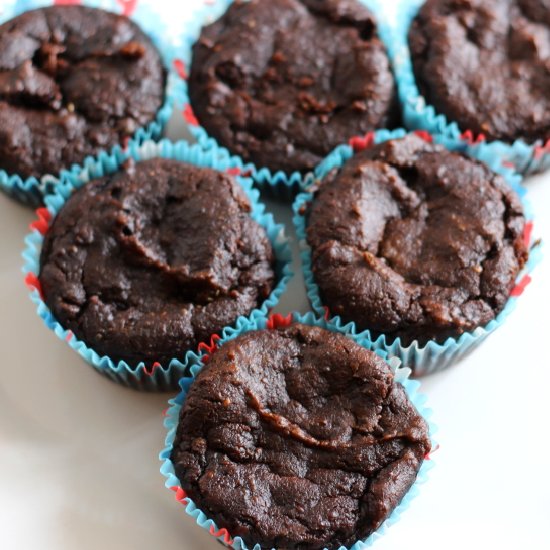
x=79, y=464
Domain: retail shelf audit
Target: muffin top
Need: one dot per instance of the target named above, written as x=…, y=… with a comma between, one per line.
x=281, y=83
x=298, y=438
x=485, y=64
x=73, y=81
x=414, y=241
x=144, y=264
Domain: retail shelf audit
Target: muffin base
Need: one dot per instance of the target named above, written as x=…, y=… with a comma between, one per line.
x=195, y=362
x=433, y=356
x=149, y=377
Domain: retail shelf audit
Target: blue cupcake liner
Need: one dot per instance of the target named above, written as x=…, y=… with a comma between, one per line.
x=280, y=183
x=153, y=377
x=194, y=363
x=433, y=356
x=418, y=115
x=32, y=190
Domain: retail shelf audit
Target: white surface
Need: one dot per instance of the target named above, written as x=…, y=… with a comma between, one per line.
x=79, y=455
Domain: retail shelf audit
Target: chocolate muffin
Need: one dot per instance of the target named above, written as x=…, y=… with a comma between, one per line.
x=281, y=83
x=73, y=81
x=413, y=241
x=485, y=64
x=298, y=438
x=144, y=264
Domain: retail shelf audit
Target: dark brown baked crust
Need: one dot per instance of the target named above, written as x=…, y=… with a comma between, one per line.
x=148, y=262
x=73, y=81
x=281, y=83
x=485, y=64
x=411, y=240
x=298, y=438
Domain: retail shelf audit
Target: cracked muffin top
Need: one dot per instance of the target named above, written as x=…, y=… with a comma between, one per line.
x=73, y=81
x=144, y=264
x=298, y=438
x=281, y=83
x=485, y=64
x=414, y=241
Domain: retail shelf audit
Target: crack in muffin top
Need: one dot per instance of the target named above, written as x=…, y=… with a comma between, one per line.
x=283, y=82
x=414, y=241
x=74, y=81
x=485, y=64
x=144, y=264
x=298, y=438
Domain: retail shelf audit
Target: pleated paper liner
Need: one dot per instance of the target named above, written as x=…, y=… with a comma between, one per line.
x=279, y=183
x=433, y=356
x=152, y=377
x=419, y=115
x=195, y=361
x=31, y=190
